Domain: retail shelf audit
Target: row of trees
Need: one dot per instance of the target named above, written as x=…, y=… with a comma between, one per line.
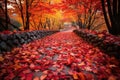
x=38, y=14
x=90, y=12
x=35, y=14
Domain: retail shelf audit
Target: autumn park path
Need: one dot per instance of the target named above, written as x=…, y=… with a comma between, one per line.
x=61, y=56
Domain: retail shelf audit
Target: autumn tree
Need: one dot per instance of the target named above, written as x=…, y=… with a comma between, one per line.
x=46, y=15
x=6, y=23
x=31, y=11
x=88, y=13
x=38, y=14
x=91, y=11
x=111, y=11
x=22, y=9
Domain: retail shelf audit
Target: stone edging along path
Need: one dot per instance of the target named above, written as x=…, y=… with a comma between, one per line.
x=108, y=43
x=9, y=41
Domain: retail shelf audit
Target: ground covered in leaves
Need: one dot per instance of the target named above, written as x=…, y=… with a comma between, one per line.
x=61, y=56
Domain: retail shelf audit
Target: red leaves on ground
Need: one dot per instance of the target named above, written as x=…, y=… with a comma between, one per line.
x=61, y=56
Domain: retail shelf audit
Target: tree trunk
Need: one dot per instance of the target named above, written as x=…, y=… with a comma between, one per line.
x=112, y=15
x=105, y=16
x=20, y=7
x=118, y=17
x=6, y=15
x=22, y=14
x=27, y=16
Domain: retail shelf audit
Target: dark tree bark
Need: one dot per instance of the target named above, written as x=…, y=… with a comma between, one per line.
x=111, y=13
x=20, y=7
x=27, y=16
x=79, y=21
x=105, y=15
x=6, y=15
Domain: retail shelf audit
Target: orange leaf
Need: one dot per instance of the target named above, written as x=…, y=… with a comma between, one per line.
x=43, y=77
x=36, y=78
x=81, y=64
x=112, y=78
x=16, y=66
x=81, y=75
x=45, y=72
x=75, y=76
x=1, y=58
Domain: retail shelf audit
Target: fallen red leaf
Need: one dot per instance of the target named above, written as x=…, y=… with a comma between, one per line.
x=29, y=76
